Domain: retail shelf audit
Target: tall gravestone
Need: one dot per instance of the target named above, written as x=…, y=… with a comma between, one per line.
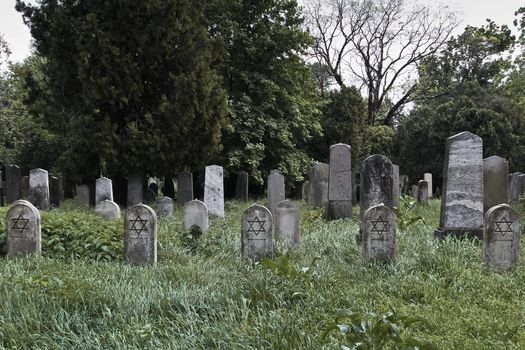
x=103, y=189
x=428, y=178
x=140, y=235
x=340, y=182
x=276, y=190
x=107, y=209
x=23, y=229
x=462, y=202
x=396, y=190
x=376, y=185
x=164, y=207
x=403, y=183
x=39, y=188
x=214, y=190
x=287, y=223
x=241, y=187
x=516, y=187
x=55, y=191
x=379, y=234
x=195, y=216
x=184, y=187
x=24, y=187
x=82, y=196
x=256, y=233
x=13, y=178
x=495, y=175
x=135, y=189
x=501, y=238
x=422, y=192
x=318, y=191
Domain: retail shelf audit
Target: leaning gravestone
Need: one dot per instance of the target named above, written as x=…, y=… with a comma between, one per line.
x=501, y=238
x=23, y=229
x=107, y=209
x=195, y=216
x=318, y=191
x=462, y=202
x=428, y=178
x=495, y=175
x=379, y=234
x=140, y=235
x=276, y=191
x=82, y=195
x=164, y=207
x=340, y=182
x=39, y=188
x=55, y=191
x=214, y=190
x=135, y=189
x=287, y=223
x=256, y=233
x=396, y=189
x=422, y=192
x=184, y=187
x=103, y=189
x=13, y=178
x=241, y=187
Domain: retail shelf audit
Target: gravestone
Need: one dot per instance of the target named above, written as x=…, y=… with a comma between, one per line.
x=256, y=233
x=107, y=209
x=516, y=187
x=214, y=190
x=276, y=191
x=403, y=183
x=428, y=178
x=13, y=178
x=135, y=189
x=340, y=182
x=168, y=188
x=501, y=238
x=103, y=189
x=376, y=185
x=24, y=187
x=318, y=191
x=149, y=196
x=379, y=234
x=55, y=189
x=164, y=207
x=82, y=196
x=241, y=187
x=24, y=236
x=414, y=191
x=495, y=175
x=195, y=216
x=39, y=188
x=287, y=223
x=184, y=187
x=140, y=235
x=396, y=189
x=422, y=192
x=153, y=185
x=462, y=202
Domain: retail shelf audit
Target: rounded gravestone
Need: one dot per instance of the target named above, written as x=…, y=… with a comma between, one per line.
x=103, y=189
x=107, y=209
x=501, y=237
x=140, y=235
x=23, y=229
x=195, y=216
x=287, y=223
x=164, y=207
x=379, y=234
x=256, y=233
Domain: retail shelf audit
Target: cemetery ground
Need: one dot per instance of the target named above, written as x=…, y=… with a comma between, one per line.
x=201, y=294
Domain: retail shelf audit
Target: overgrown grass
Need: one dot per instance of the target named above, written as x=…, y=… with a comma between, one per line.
x=202, y=295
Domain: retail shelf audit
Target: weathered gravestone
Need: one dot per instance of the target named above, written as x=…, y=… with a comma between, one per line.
x=396, y=193
x=422, y=192
x=462, y=202
x=256, y=233
x=13, y=178
x=103, y=189
x=318, y=191
x=376, y=185
x=379, y=234
x=23, y=229
x=39, y=188
x=149, y=196
x=107, y=209
x=241, y=187
x=140, y=235
x=403, y=183
x=340, y=182
x=428, y=178
x=164, y=207
x=214, y=190
x=195, y=216
x=276, y=191
x=55, y=191
x=495, y=175
x=82, y=195
x=414, y=191
x=153, y=185
x=24, y=187
x=184, y=187
x=501, y=238
x=135, y=189
x=516, y=186
x=287, y=223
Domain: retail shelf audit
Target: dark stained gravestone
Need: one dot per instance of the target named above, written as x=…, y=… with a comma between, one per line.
x=13, y=180
x=184, y=187
x=422, y=192
x=495, y=175
x=241, y=187
x=135, y=189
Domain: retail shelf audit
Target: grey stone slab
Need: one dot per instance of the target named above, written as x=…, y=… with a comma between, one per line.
x=256, y=233
x=184, y=187
x=318, y=191
x=395, y=188
x=414, y=191
x=82, y=195
x=195, y=216
x=516, y=187
x=23, y=227
x=340, y=182
x=428, y=178
x=140, y=235
x=422, y=192
x=275, y=191
x=501, y=238
x=55, y=191
x=107, y=209
x=13, y=178
x=164, y=207
x=214, y=190
x=135, y=189
x=495, y=175
x=287, y=223
x=103, y=189
x=241, y=187
x=404, y=184
x=379, y=234
x=39, y=188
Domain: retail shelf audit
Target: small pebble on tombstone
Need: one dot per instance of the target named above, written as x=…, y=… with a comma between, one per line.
x=287, y=223
x=23, y=228
x=164, y=207
x=107, y=209
x=140, y=235
x=39, y=188
x=103, y=189
x=256, y=233
x=379, y=234
x=501, y=238
x=195, y=216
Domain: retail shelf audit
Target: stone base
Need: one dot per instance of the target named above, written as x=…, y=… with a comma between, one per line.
x=339, y=210
x=458, y=232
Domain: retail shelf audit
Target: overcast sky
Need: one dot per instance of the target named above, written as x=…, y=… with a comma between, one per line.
x=474, y=13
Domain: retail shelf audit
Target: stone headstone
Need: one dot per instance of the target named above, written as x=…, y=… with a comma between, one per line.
x=428, y=178
x=24, y=236
x=24, y=187
x=276, y=191
x=515, y=187
x=422, y=192
x=184, y=187
x=107, y=209
x=103, y=189
x=82, y=196
x=501, y=238
x=214, y=190
x=164, y=207
x=168, y=188
x=153, y=185
x=39, y=188
x=495, y=175
x=13, y=178
x=149, y=196
x=241, y=187
x=195, y=216
x=135, y=189
x=379, y=234
x=140, y=235
x=256, y=233
x=55, y=191
x=318, y=191
x=396, y=189
x=462, y=202
x=340, y=182
x=414, y=191
x=287, y=223
x=403, y=183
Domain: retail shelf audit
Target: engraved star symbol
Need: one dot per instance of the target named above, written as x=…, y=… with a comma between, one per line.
x=379, y=226
x=503, y=231
x=20, y=219
x=260, y=228
x=138, y=225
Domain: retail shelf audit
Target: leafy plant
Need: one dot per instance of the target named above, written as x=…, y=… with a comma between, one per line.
x=405, y=217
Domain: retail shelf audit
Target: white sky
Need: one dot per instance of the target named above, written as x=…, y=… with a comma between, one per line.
x=474, y=13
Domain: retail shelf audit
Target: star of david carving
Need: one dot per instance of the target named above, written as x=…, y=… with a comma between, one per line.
x=259, y=226
x=379, y=226
x=506, y=226
x=20, y=223
x=138, y=225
